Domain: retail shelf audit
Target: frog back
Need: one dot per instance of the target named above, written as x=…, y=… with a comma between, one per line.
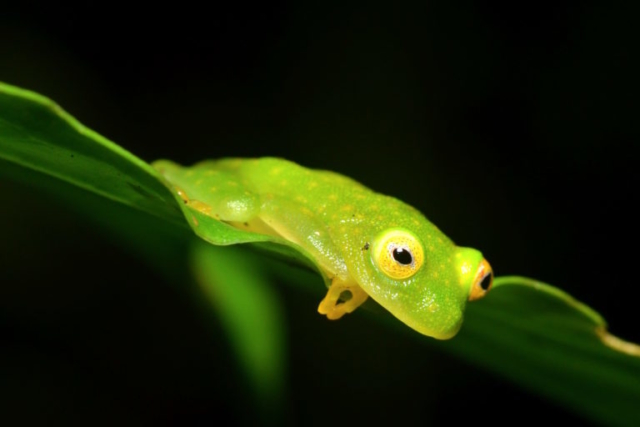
x=268, y=196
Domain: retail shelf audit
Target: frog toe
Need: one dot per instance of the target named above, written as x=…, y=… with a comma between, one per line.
x=342, y=298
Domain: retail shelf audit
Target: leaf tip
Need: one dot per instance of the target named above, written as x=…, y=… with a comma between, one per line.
x=618, y=344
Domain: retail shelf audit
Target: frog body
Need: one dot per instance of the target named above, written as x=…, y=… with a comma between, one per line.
x=367, y=243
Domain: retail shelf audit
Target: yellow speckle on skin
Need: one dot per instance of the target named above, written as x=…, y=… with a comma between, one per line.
x=333, y=197
x=416, y=222
x=306, y=211
x=232, y=183
x=275, y=171
x=466, y=268
x=311, y=185
x=200, y=207
x=301, y=199
x=189, y=173
x=209, y=172
x=213, y=189
x=347, y=208
x=182, y=194
x=199, y=182
x=284, y=182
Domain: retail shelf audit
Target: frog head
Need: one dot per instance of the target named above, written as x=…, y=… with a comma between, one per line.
x=422, y=278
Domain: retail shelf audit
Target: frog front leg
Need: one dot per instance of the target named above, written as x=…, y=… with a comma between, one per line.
x=333, y=307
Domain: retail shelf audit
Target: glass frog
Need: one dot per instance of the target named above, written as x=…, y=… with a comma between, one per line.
x=368, y=244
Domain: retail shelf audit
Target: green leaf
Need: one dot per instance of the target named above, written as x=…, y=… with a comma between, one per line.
x=542, y=338
x=35, y=133
x=527, y=331
x=39, y=141
x=251, y=314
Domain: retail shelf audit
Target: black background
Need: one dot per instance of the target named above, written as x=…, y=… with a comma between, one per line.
x=514, y=128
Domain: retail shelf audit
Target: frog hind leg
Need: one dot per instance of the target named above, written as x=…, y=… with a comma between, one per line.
x=335, y=304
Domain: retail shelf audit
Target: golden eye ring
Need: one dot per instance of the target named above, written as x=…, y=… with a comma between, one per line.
x=398, y=253
x=482, y=282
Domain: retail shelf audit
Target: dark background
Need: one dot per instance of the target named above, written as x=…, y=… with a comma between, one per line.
x=514, y=128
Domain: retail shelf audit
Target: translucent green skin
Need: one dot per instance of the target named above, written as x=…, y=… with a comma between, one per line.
x=336, y=220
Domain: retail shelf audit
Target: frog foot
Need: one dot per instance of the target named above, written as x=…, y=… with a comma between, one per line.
x=342, y=297
x=195, y=204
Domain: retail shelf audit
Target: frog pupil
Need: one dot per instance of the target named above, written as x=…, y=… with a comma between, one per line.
x=402, y=256
x=486, y=282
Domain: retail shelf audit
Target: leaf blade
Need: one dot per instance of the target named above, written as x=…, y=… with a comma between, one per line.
x=520, y=332
x=37, y=134
x=539, y=336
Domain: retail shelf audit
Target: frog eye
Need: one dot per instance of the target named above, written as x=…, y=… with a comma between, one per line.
x=398, y=253
x=482, y=282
